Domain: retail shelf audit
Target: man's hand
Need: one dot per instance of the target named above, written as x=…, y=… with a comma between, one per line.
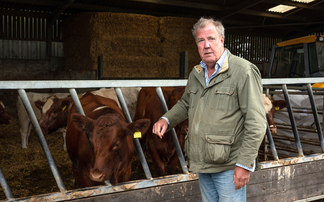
x=241, y=177
x=160, y=127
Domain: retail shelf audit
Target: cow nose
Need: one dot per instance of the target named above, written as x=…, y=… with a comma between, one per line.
x=273, y=129
x=97, y=176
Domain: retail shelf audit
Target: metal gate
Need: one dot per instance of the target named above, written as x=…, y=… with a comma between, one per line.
x=149, y=182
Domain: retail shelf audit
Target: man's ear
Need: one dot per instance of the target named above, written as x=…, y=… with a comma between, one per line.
x=82, y=123
x=39, y=104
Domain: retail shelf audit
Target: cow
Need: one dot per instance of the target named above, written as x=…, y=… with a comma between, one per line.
x=271, y=106
x=55, y=110
x=148, y=106
x=23, y=118
x=107, y=154
x=4, y=116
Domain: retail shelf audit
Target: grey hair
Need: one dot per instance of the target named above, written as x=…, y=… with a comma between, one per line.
x=203, y=22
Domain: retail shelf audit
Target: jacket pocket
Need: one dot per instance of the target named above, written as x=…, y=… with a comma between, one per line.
x=218, y=148
x=192, y=96
x=225, y=99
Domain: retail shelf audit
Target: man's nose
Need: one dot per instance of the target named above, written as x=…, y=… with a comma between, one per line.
x=207, y=45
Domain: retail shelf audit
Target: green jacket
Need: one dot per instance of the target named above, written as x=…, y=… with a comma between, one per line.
x=227, y=119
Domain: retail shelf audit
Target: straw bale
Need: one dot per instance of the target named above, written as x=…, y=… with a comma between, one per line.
x=176, y=27
x=76, y=25
x=173, y=46
x=123, y=66
x=121, y=24
x=81, y=63
x=110, y=24
x=130, y=46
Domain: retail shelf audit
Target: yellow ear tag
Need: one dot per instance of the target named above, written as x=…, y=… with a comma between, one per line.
x=137, y=134
x=277, y=108
x=63, y=108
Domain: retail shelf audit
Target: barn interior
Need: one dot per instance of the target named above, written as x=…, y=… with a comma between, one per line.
x=124, y=39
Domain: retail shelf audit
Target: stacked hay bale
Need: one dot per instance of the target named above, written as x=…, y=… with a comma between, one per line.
x=132, y=45
x=176, y=37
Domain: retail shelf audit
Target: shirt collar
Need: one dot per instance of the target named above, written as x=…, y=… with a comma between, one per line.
x=219, y=62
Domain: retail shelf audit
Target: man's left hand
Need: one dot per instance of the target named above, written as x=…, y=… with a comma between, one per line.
x=241, y=177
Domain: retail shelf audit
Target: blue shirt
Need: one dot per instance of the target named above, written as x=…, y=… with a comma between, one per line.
x=218, y=66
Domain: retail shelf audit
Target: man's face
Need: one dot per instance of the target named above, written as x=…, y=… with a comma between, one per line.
x=210, y=44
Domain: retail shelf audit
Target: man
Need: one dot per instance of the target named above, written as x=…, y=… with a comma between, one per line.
x=223, y=102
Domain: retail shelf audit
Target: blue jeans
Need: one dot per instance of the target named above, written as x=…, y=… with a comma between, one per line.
x=219, y=187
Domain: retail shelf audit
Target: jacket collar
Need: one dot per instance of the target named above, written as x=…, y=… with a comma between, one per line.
x=221, y=75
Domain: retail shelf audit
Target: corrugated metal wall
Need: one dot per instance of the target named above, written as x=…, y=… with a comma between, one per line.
x=251, y=48
x=24, y=37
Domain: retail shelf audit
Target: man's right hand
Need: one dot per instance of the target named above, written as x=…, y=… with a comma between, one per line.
x=160, y=127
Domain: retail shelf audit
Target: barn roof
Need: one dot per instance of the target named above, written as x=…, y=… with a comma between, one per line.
x=250, y=17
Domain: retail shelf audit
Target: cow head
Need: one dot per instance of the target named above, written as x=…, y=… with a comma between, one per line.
x=271, y=106
x=54, y=113
x=112, y=143
x=4, y=117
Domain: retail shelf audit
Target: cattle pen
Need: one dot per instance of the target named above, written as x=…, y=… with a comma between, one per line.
x=282, y=177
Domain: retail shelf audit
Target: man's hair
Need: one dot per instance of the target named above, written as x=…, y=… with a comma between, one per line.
x=203, y=22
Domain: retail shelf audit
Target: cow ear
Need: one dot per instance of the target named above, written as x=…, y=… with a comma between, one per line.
x=65, y=105
x=82, y=123
x=39, y=104
x=139, y=125
x=279, y=104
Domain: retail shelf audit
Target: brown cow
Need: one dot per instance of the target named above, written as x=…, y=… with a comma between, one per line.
x=4, y=116
x=108, y=153
x=148, y=106
x=54, y=112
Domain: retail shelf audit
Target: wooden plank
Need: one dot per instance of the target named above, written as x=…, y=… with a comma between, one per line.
x=185, y=191
x=287, y=183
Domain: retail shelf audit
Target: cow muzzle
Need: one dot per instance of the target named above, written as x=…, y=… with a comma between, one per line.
x=97, y=176
x=273, y=129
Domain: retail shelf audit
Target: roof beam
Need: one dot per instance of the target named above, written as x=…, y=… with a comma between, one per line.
x=238, y=8
x=184, y=4
x=58, y=10
x=276, y=25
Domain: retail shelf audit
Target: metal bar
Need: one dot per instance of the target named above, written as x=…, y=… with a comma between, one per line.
x=136, y=141
x=291, y=161
x=292, y=120
x=306, y=60
x=271, y=60
x=5, y=187
x=316, y=119
x=41, y=139
x=50, y=84
x=271, y=143
x=173, y=133
x=76, y=101
x=100, y=67
x=183, y=66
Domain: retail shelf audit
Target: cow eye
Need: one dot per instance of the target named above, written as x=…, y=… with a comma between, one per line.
x=117, y=145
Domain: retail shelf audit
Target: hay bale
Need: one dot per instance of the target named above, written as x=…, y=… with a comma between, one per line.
x=127, y=67
x=99, y=24
x=132, y=45
x=176, y=27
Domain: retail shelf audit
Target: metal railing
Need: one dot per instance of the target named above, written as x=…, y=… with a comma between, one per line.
x=72, y=85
